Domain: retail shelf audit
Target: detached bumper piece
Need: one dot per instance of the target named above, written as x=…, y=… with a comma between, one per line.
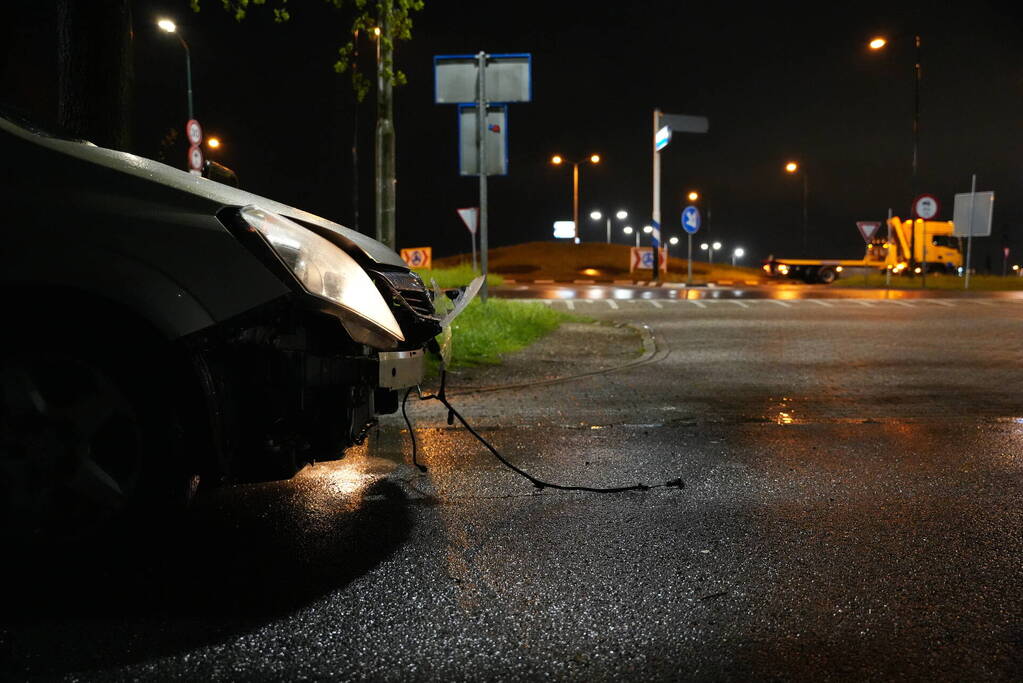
x=410, y=303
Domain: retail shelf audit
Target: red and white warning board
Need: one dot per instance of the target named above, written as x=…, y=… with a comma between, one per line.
x=868, y=229
x=419, y=257
x=642, y=258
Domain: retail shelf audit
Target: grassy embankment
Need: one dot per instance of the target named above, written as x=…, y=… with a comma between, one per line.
x=980, y=283
x=483, y=332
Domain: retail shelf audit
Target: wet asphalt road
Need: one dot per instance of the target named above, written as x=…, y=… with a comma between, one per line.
x=853, y=508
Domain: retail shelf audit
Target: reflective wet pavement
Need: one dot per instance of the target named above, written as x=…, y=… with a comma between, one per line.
x=852, y=509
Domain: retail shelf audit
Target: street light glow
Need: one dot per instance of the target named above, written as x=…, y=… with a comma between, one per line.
x=704, y=246
x=594, y=158
x=596, y=215
x=627, y=229
x=739, y=252
x=213, y=143
x=673, y=241
x=647, y=229
x=557, y=160
x=878, y=43
x=622, y=215
x=167, y=25
x=693, y=196
x=792, y=167
x=717, y=245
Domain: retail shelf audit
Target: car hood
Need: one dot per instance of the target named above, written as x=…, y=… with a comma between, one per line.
x=223, y=196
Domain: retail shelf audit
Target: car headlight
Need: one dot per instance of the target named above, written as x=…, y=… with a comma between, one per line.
x=326, y=271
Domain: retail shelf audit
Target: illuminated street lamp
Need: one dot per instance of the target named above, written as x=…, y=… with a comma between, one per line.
x=792, y=168
x=693, y=196
x=628, y=231
x=169, y=26
x=737, y=253
x=557, y=160
x=620, y=215
x=213, y=143
x=710, y=249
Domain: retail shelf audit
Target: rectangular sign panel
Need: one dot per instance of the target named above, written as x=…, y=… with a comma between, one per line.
x=642, y=258
x=496, y=140
x=979, y=224
x=418, y=257
x=508, y=78
x=683, y=123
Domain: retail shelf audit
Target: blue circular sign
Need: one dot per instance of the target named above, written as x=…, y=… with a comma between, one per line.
x=691, y=219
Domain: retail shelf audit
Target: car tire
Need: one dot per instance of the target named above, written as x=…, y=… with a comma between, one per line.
x=90, y=438
x=826, y=275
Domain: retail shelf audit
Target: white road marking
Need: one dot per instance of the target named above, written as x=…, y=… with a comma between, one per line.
x=571, y=306
x=697, y=303
x=820, y=303
x=738, y=303
x=656, y=304
x=611, y=303
x=943, y=303
x=900, y=303
x=780, y=303
x=861, y=302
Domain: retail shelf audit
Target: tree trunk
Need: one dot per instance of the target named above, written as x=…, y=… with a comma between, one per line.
x=94, y=70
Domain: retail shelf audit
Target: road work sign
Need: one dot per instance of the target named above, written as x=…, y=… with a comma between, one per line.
x=868, y=229
x=419, y=257
x=642, y=258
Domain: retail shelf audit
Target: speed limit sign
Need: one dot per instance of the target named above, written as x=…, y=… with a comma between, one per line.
x=926, y=206
x=194, y=131
x=195, y=159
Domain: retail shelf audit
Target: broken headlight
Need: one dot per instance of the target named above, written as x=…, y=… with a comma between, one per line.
x=325, y=271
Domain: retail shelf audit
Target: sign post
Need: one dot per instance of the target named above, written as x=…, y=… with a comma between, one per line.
x=925, y=207
x=972, y=216
x=664, y=124
x=462, y=79
x=690, y=223
x=888, y=255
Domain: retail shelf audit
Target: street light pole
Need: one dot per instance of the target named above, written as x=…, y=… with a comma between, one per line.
x=575, y=199
x=793, y=167
x=557, y=160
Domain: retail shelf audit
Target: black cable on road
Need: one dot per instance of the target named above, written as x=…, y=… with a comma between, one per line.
x=538, y=483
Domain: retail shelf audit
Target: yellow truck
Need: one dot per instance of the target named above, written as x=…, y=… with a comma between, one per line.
x=914, y=245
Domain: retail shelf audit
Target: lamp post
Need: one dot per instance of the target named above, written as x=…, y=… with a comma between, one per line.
x=620, y=215
x=710, y=248
x=878, y=44
x=737, y=253
x=557, y=160
x=170, y=27
x=792, y=168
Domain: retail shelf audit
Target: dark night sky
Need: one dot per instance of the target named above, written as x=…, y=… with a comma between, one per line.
x=779, y=83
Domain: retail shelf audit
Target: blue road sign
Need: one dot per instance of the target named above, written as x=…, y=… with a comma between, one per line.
x=691, y=219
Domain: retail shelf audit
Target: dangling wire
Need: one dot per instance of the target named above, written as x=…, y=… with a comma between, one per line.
x=538, y=483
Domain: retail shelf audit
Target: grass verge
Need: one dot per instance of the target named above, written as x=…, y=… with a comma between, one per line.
x=483, y=332
x=457, y=276
x=982, y=283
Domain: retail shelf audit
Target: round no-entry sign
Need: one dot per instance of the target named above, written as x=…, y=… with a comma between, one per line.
x=926, y=206
x=194, y=131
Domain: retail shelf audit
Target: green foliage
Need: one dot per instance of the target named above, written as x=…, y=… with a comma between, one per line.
x=459, y=276
x=388, y=21
x=485, y=331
